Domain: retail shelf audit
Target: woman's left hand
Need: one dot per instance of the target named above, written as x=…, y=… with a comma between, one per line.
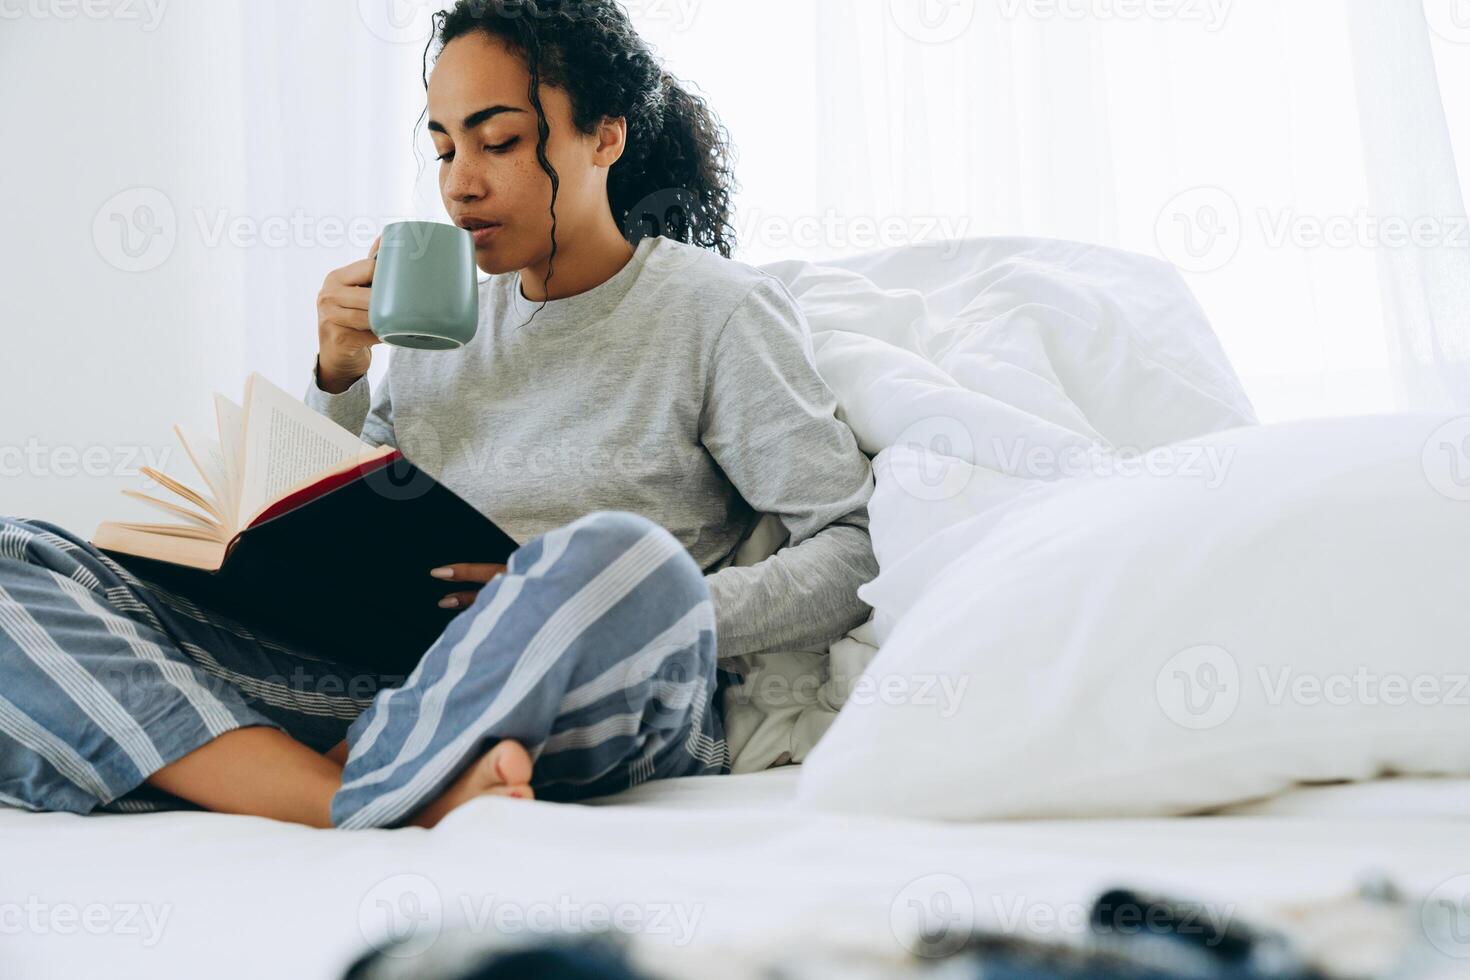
x=464, y=572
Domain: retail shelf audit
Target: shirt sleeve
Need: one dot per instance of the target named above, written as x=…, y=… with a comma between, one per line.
x=356, y=409
x=770, y=422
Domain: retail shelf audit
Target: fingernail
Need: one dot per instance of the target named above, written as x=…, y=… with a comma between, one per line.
x=449, y=602
x=444, y=572
x=517, y=794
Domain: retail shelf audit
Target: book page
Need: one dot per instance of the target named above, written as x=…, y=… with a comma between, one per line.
x=162, y=543
x=286, y=443
x=207, y=457
x=230, y=420
x=214, y=527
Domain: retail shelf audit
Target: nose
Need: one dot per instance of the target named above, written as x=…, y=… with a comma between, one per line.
x=464, y=182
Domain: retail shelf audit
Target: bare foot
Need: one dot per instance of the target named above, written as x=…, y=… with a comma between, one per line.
x=503, y=771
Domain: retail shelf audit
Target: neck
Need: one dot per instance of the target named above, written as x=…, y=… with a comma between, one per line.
x=583, y=261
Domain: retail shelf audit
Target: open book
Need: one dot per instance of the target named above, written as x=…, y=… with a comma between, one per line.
x=307, y=535
x=265, y=453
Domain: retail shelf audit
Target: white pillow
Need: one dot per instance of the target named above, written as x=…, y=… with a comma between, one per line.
x=1132, y=645
x=1119, y=333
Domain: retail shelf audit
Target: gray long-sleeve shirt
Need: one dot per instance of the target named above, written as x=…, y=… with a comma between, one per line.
x=684, y=389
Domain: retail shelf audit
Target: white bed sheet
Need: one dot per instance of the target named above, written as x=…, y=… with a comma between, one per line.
x=732, y=870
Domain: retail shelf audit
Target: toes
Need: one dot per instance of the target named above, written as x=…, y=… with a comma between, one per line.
x=511, y=763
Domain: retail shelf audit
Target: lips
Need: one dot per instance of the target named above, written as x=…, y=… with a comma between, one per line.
x=482, y=229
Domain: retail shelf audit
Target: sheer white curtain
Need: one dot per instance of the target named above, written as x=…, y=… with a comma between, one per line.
x=1293, y=158
x=330, y=95
x=179, y=177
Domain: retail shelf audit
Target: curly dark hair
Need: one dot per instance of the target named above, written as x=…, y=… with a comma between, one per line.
x=675, y=177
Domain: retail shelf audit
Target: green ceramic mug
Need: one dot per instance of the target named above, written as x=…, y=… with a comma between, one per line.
x=426, y=291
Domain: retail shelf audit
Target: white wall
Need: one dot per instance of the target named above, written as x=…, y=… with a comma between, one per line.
x=98, y=362
x=269, y=147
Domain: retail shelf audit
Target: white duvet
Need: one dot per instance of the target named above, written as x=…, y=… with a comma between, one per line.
x=975, y=373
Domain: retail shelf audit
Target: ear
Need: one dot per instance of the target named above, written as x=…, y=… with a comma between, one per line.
x=612, y=138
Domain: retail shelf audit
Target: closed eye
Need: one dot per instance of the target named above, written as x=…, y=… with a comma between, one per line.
x=505, y=147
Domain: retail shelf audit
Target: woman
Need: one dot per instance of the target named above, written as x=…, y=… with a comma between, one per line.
x=629, y=407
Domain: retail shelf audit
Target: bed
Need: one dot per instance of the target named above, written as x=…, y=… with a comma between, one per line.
x=998, y=817
x=715, y=876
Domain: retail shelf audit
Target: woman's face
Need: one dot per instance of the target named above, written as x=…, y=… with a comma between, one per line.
x=485, y=131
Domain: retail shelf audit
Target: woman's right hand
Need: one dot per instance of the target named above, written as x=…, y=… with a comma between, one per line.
x=344, y=338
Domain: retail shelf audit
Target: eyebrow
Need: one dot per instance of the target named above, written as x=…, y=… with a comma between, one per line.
x=476, y=118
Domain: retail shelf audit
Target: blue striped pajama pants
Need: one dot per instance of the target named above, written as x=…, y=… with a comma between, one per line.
x=595, y=649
